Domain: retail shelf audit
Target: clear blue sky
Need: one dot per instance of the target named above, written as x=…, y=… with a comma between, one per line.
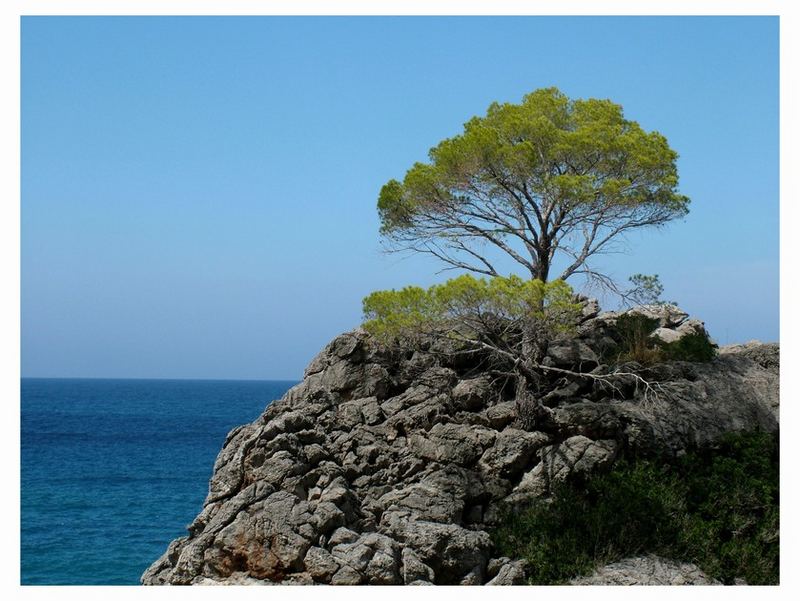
x=198, y=194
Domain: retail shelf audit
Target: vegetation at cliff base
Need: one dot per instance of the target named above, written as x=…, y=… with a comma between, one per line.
x=716, y=508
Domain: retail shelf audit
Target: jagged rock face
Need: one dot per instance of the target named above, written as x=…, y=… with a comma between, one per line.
x=390, y=468
x=672, y=322
x=649, y=570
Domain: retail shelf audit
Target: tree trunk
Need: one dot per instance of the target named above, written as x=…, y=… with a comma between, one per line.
x=534, y=343
x=533, y=415
x=542, y=267
x=542, y=272
x=528, y=404
x=525, y=403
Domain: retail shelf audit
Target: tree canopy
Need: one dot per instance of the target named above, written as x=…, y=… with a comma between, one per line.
x=549, y=175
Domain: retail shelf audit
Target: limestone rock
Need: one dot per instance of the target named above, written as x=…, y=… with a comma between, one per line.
x=668, y=316
x=320, y=564
x=648, y=570
x=675, y=333
x=414, y=570
x=590, y=308
x=562, y=393
x=276, y=532
x=449, y=549
x=342, y=536
x=576, y=455
x=667, y=335
x=452, y=443
x=572, y=353
x=347, y=576
x=235, y=579
x=511, y=573
x=502, y=414
x=512, y=451
x=374, y=557
x=473, y=577
x=472, y=394
x=327, y=516
x=765, y=355
x=360, y=411
x=387, y=467
x=426, y=500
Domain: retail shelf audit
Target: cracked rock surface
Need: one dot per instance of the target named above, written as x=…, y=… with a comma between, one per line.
x=390, y=467
x=648, y=570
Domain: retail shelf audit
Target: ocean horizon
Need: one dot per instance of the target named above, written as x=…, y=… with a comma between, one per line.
x=113, y=469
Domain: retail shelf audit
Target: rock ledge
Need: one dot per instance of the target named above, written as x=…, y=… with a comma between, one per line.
x=391, y=467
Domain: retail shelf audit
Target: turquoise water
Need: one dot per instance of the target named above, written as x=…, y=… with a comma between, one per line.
x=113, y=470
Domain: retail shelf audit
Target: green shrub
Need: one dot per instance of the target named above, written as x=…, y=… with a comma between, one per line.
x=717, y=509
x=625, y=512
x=691, y=347
x=466, y=305
x=637, y=344
x=731, y=529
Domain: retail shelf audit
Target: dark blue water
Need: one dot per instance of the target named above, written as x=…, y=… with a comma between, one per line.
x=113, y=470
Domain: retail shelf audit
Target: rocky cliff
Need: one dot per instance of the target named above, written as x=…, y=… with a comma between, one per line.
x=390, y=466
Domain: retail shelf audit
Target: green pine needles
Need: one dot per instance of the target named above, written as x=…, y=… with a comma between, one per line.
x=467, y=307
x=530, y=181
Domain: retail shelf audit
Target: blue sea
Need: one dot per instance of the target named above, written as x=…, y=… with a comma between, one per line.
x=113, y=470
